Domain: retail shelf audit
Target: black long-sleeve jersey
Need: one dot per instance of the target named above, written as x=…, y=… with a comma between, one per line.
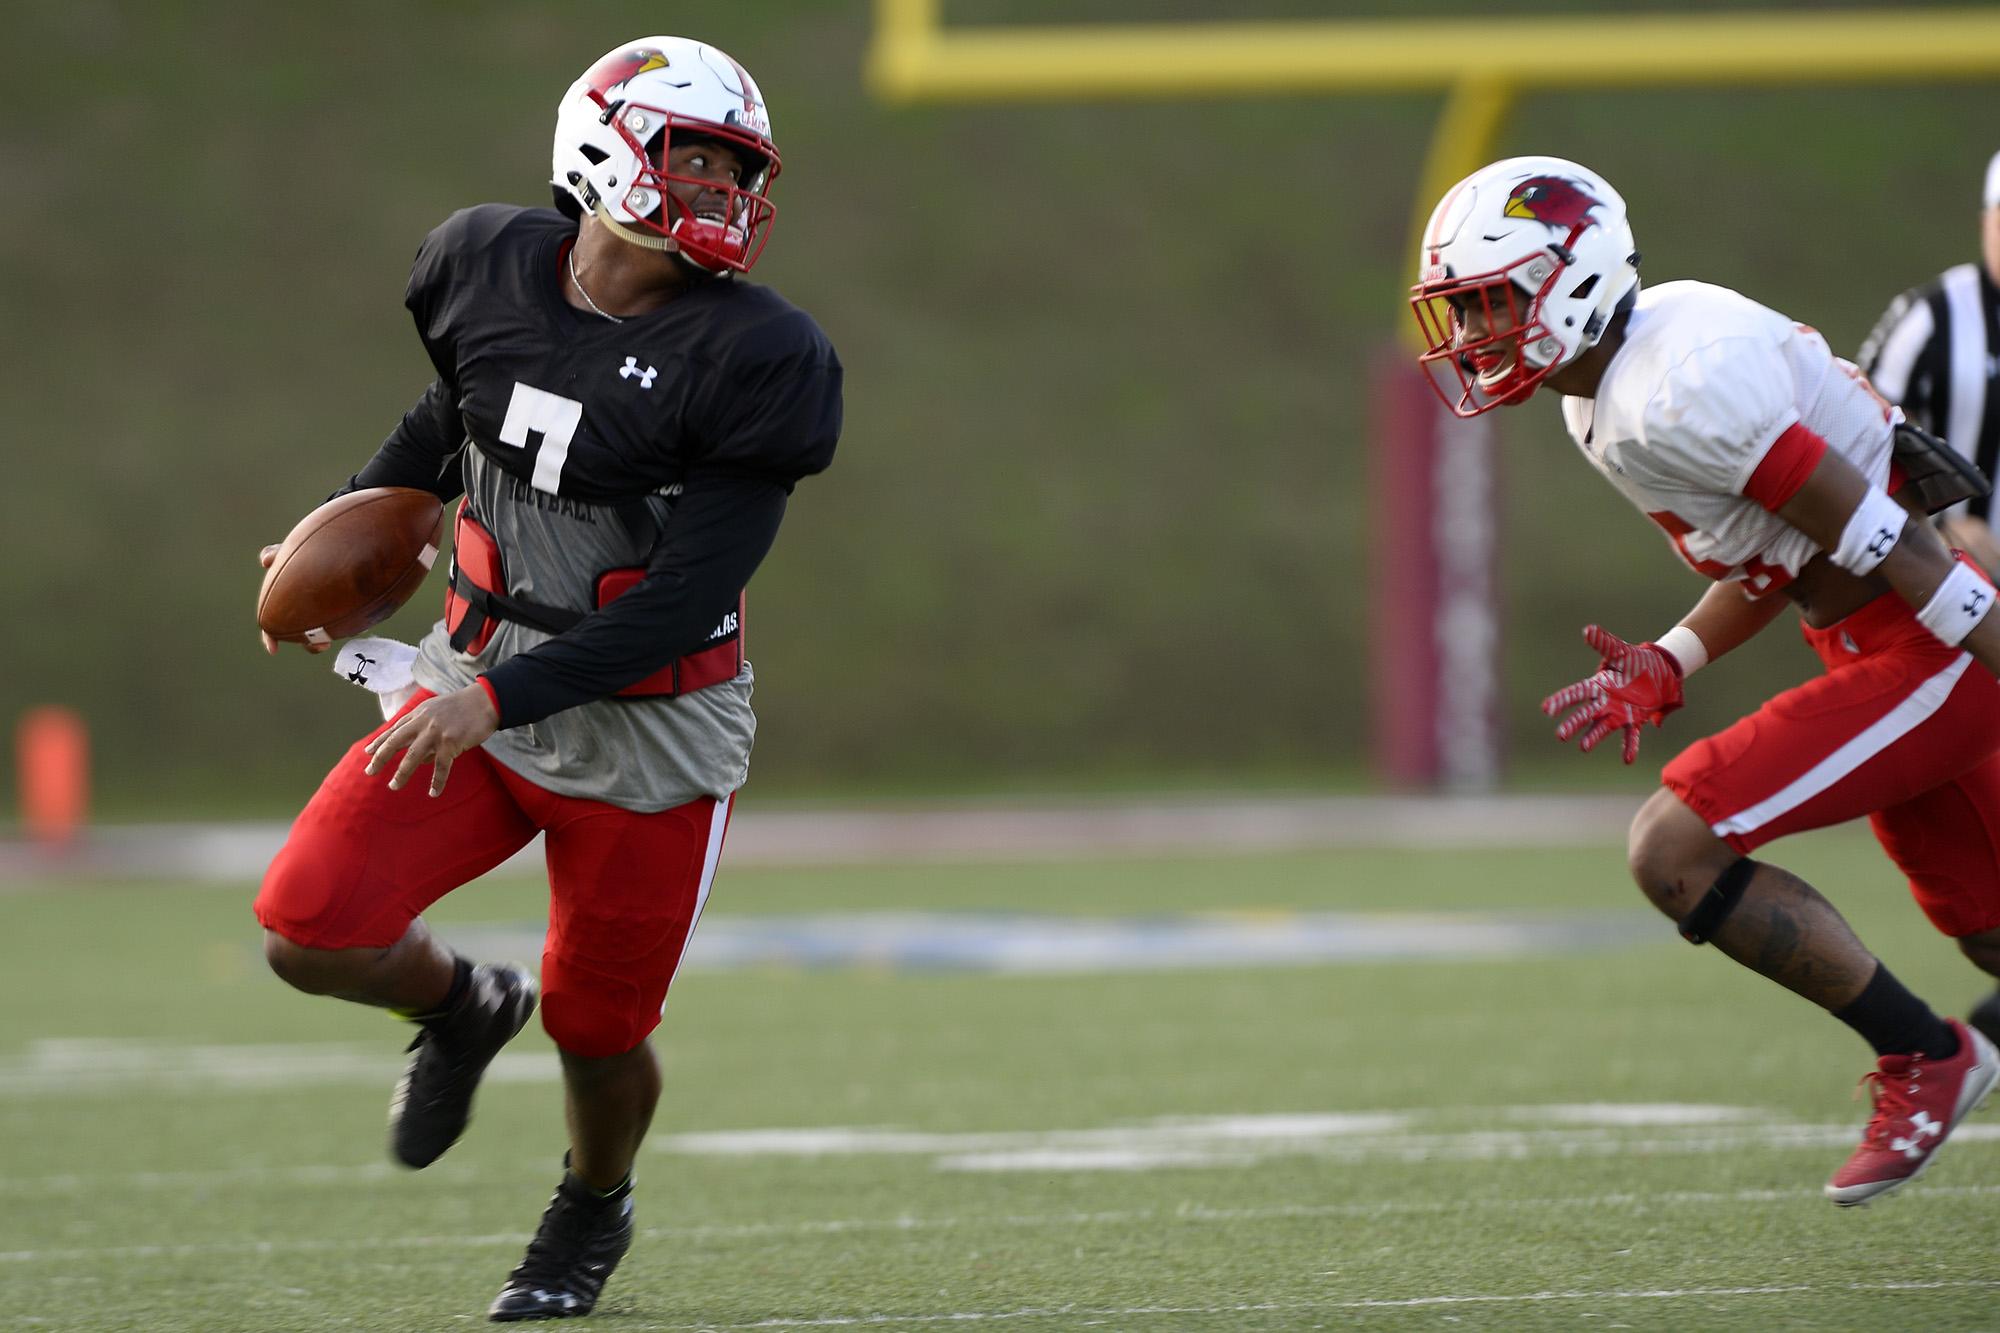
x=557, y=420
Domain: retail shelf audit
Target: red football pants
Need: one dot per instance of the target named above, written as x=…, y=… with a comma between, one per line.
x=1901, y=729
x=625, y=889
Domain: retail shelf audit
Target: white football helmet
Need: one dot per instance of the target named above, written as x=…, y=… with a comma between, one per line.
x=1543, y=247
x=613, y=131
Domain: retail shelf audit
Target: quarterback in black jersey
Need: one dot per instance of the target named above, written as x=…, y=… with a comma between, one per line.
x=621, y=418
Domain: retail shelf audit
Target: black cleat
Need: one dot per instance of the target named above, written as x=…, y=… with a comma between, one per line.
x=1985, y=1016
x=433, y=1100
x=582, y=1237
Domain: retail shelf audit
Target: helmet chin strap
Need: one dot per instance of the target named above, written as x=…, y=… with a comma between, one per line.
x=644, y=240
x=649, y=241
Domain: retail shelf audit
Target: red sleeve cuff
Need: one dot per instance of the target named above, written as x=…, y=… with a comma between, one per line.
x=1787, y=463
x=491, y=694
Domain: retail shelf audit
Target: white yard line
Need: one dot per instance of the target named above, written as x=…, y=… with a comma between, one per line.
x=1086, y=1312
x=1187, y=1214
x=1423, y=1149
x=1350, y=1139
x=1367, y=1138
x=997, y=831
x=114, y=1066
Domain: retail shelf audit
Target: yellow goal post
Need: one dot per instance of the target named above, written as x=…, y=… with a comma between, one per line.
x=1480, y=62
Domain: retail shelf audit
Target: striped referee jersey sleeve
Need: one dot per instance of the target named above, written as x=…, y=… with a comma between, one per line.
x=1932, y=353
x=1893, y=350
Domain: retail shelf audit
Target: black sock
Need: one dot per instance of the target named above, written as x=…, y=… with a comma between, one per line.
x=1896, y=1022
x=461, y=982
x=587, y=1193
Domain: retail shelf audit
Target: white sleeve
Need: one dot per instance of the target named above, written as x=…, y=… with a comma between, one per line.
x=1717, y=411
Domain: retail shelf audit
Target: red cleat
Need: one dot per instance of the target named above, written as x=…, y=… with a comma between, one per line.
x=1918, y=1102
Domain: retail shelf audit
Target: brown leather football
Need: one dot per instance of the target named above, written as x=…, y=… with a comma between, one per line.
x=349, y=564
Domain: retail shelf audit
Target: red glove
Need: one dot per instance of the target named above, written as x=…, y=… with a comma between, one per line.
x=1634, y=684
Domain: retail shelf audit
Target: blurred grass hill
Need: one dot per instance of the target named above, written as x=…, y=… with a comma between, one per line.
x=1100, y=516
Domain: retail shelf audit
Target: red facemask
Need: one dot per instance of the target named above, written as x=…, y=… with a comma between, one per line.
x=732, y=241
x=1478, y=374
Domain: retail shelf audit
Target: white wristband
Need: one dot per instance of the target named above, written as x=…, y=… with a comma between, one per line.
x=1685, y=647
x=1872, y=532
x=1960, y=602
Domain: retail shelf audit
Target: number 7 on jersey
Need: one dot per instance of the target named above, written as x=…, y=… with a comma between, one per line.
x=533, y=411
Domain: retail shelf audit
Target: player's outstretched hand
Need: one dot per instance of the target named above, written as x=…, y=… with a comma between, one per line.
x=435, y=732
x=1635, y=683
x=264, y=559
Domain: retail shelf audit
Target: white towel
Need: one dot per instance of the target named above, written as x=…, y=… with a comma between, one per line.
x=380, y=666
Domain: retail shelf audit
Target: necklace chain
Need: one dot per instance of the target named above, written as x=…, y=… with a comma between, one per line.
x=577, y=283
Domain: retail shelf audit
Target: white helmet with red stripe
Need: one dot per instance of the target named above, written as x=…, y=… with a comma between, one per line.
x=1544, y=246
x=614, y=129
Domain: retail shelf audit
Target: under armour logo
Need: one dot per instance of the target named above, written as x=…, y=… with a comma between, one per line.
x=359, y=675
x=1921, y=1127
x=1975, y=601
x=631, y=368
x=1884, y=539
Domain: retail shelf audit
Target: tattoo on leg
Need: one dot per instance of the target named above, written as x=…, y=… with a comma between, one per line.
x=1785, y=930
x=1779, y=948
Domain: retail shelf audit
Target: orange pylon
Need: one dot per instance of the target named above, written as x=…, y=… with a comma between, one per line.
x=52, y=749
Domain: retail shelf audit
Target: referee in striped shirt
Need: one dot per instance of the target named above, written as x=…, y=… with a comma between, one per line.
x=1936, y=351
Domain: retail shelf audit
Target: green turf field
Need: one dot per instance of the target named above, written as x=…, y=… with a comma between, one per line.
x=1628, y=1136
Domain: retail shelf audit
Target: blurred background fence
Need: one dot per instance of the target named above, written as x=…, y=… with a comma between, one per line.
x=1101, y=517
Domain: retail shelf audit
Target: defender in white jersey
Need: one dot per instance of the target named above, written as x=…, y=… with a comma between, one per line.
x=1775, y=469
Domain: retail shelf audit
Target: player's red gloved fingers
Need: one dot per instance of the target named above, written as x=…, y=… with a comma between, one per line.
x=1602, y=641
x=1631, y=742
x=1577, y=721
x=1569, y=696
x=1595, y=736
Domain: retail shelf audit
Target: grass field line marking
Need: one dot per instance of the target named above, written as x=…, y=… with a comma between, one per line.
x=1187, y=1213
x=77, y=1183
x=1428, y=1149
x=994, y=830
x=1075, y=1312
x=1228, y=1140
x=1356, y=1138
x=114, y=1065
x=841, y=1140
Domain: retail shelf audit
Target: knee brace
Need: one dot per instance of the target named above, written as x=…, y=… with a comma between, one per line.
x=1720, y=900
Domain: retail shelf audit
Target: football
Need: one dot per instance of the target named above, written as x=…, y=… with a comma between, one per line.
x=349, y=564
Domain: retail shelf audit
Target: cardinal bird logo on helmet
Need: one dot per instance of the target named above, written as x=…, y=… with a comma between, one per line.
x=1552, y=199
x=614, y=69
